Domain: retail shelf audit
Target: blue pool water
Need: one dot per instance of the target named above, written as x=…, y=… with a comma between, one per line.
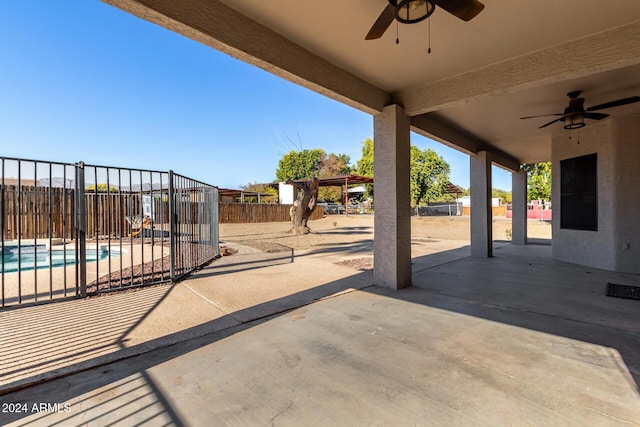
x=43, y=258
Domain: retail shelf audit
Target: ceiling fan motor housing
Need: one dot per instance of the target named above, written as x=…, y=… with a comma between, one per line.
x=576, y=106
x=574, y=114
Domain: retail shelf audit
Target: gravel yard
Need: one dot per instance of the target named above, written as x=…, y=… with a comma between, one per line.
x=354, y=231
x=337, y=230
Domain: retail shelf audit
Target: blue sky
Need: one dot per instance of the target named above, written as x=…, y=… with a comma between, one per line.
x=82, y=80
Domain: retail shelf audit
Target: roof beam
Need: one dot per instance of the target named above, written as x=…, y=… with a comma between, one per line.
x=608, y=50
x=438, y=130
x=432, y=127
x=215, y=24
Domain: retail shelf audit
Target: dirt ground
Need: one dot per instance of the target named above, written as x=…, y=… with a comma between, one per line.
x=338, y=229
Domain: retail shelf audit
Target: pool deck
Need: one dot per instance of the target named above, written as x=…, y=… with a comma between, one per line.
x=31, y=242
x=58, y=282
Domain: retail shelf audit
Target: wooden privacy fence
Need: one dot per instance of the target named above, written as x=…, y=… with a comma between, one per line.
x=29, y=212
x=238, y=213
x=41, y=212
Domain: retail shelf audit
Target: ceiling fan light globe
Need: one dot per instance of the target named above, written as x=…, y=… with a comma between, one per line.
x=413, y=11
x=575, y=121
x=414, y=5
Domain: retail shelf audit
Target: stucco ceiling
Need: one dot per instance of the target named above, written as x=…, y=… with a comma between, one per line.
x=516, y=58
x=335, y=30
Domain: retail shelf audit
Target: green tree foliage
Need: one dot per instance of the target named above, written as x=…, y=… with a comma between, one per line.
x=504, y=195
x=299, y=164
x=364, y=166
x=538, y=180
x=311, y=163
x=429, y=175
x=429, y=172
x=102, y=188
x=260, y=188
x=333, y=165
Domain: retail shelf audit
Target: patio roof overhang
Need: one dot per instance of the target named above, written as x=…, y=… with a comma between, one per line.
x=515, y=59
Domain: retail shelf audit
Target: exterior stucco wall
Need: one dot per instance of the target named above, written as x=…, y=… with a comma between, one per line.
x=627, y=189
x=616, y=244
x=592, y=248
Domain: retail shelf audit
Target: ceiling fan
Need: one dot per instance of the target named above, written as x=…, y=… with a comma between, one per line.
x=574, y=115
x=412, y=11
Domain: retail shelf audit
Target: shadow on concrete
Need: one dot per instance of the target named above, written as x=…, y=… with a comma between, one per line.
x=539, y=241
x=522, y=286
x=425, y=262
x=246, y=262
x=37, y=339
x=43, y=297
x=129, y=376
x=513, y=288
x=365, y=245
x=346, y=231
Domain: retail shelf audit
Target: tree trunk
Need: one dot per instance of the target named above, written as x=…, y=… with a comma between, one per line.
x=303, y=207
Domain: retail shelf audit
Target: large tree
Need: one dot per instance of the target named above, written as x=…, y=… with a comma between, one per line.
x=299, y=164
x=429, y=175
x=429, y=172
x=538, y=180
x=364, y=166
x=309, y=165
x=333, y=165
x=303, y=207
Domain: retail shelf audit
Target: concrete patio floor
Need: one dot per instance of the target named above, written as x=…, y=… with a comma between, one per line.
x=518, y=339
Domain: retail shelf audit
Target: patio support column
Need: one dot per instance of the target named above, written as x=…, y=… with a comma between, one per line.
x=519, y=208
x=481, y=212
x=392, y=218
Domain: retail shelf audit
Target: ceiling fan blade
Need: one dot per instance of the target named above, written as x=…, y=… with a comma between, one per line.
x=382, y=23
x=463, y=9
x=542, y=115
x=551, y=122
x=617, y=103
x=595, y=116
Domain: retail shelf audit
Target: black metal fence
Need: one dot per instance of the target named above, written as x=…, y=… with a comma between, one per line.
x=438, y=209
x=350, y=209
x=71, y=230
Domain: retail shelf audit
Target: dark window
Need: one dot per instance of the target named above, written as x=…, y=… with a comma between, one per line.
x=579, y=193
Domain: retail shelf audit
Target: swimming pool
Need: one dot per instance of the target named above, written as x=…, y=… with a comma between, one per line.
x=30, y=258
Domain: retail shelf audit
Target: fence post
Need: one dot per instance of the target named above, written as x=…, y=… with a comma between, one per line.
x=81, y=232
x=172, y=230
x=213, y=220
